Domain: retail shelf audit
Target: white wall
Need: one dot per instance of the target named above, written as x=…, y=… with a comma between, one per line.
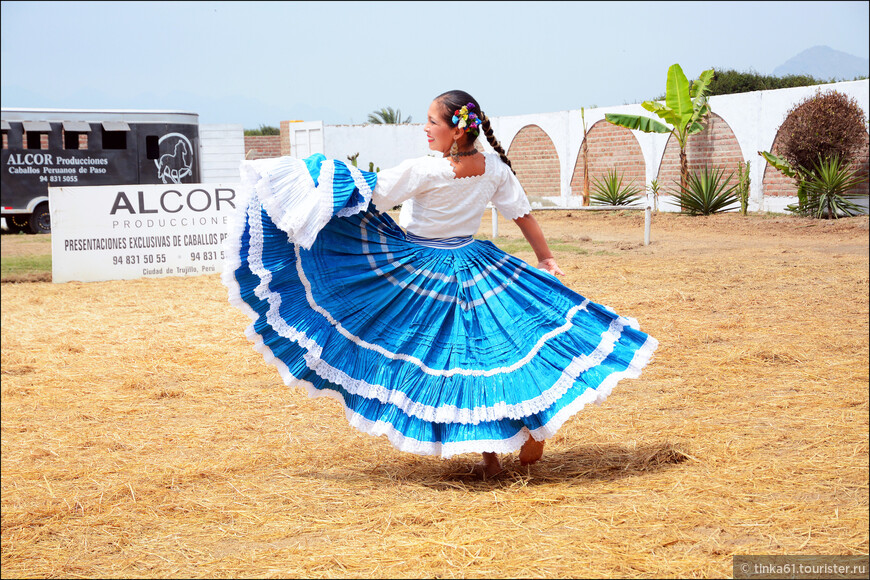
x=222, y=148
x=753, y=117
x=384, y=145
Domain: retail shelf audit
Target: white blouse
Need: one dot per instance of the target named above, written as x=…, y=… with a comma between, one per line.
x=437, y=204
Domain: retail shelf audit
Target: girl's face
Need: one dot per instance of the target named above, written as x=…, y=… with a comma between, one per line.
x=438, y=131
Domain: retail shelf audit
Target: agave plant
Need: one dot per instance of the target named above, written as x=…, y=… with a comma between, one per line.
x=707, y=192
x=610, y=191
x=824, y=190
x=828, y=189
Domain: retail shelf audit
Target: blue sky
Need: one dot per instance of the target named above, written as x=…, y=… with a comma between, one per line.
x=258, y=63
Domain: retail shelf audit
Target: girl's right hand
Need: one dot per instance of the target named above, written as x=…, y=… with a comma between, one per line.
x=549, y=265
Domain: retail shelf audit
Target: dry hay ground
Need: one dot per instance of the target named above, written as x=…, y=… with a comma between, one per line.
x=143, y=437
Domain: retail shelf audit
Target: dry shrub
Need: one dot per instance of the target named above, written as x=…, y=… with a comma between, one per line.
x=824, y=125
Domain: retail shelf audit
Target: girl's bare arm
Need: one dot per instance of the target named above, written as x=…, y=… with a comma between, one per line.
x=535, y=236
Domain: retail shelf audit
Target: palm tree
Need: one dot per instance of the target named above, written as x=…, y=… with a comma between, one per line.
x=387, y=116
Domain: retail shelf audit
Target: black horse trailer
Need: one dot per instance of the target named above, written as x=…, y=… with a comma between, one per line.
x=45, y=148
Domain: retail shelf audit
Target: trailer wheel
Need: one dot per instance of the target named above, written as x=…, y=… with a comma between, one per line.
x=18, y=223
x=40, y=220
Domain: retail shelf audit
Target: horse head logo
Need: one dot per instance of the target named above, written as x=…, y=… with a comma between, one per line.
x=177, y=164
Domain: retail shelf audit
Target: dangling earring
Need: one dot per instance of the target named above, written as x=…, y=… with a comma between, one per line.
x=454, y=152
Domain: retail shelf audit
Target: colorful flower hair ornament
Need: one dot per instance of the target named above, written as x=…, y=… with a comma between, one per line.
x=463, y=119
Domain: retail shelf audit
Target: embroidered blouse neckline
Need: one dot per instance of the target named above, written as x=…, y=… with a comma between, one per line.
x=453, y=169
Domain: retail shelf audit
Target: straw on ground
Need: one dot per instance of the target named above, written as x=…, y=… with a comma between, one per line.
x=143, y=437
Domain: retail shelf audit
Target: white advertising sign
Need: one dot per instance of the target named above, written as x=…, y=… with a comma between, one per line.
x=122, y=232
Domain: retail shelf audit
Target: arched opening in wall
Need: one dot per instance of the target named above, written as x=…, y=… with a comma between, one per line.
x=609, y=147
x=863, y=161
x=536, y=163
x=715, y=146
x=775, y=184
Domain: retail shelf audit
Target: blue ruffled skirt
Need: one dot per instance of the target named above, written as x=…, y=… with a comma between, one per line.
x=444, y=350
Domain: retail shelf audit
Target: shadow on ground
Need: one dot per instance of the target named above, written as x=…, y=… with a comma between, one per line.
x=580, y=464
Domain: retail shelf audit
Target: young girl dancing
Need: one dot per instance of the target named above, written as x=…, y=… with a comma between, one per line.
x=443, y=343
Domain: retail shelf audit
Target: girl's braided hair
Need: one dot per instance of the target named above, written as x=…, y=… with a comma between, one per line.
x=454, y=100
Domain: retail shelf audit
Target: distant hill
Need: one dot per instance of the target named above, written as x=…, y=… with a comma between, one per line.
x=825, y=63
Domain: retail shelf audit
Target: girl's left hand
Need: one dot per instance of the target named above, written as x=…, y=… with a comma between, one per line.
x=549, y=265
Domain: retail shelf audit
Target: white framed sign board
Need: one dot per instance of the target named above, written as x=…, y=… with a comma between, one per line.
x=123, y=232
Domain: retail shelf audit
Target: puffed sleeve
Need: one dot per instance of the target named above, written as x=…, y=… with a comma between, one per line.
x=509, y=198
x=402, y=182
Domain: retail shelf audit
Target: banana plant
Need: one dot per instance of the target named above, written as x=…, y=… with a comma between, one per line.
x=584, y=148
x=779, y=164
x=795, y=173
x=685, y=110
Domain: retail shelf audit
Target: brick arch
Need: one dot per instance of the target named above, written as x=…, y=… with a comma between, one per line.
x=863, y=161
x=536, y=162
x=609, y=146
x=715, y=146
x=775, y=184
